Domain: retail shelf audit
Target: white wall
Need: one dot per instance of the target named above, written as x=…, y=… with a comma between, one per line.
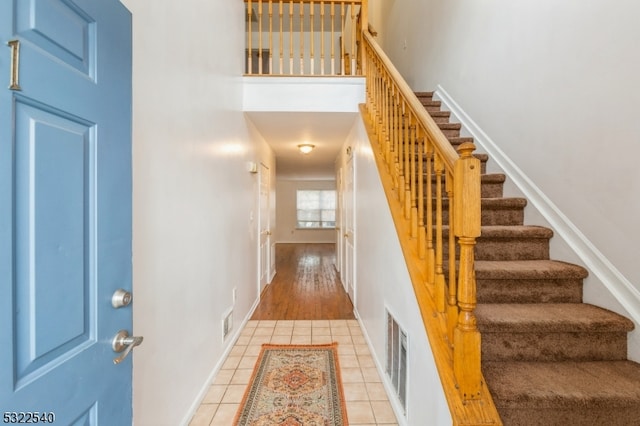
x=194, y=239
x=382, y=281
x=555, y=86
x=286, y=230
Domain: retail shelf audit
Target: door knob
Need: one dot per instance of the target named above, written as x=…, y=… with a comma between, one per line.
x=124, y=343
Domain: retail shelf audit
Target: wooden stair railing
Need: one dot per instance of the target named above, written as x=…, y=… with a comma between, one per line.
x=419, y=169
x=311, y=37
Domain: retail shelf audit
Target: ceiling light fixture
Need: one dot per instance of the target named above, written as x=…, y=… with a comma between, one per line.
x=306, y=148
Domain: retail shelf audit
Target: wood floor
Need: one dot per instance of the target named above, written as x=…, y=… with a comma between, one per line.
x=306, y=286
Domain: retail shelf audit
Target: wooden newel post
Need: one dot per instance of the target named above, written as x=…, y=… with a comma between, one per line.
x=466, y=338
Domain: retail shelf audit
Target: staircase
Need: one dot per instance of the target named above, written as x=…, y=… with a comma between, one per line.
x=547, y=357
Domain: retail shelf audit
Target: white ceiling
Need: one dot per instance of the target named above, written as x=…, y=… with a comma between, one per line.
x=284, y=131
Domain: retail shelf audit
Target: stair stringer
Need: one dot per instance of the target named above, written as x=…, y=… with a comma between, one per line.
x=605, y=286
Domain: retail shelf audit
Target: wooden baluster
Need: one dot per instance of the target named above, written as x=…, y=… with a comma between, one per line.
x=440, y=284
x=383, y=110
x=411, y=211
x=407, y=168
x=466, y=339
x=259, y=36
x=421, y=196
x=397, y=155
x=333, y=56
x=291, y=72
x=342, y=70
x=301, y=37
x=249, y=38
x=311, y=37
x=401, y=153
x=431, y=256
x=322, y=37
x=353, y=39
x=270, y=37
x=386, y=113
x=281, y=62
x=452, y=304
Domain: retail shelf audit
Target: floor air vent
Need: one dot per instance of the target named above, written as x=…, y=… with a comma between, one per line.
x=397, y=359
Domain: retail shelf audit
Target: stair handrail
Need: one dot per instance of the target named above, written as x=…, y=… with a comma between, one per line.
x=410, y=145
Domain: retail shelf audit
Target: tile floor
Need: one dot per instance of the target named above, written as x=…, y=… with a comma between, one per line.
x=367, y=402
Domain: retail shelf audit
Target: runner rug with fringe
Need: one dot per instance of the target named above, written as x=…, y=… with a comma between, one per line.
x=294, y=385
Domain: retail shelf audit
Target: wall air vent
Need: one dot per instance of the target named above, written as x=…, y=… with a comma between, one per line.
x=396, y=365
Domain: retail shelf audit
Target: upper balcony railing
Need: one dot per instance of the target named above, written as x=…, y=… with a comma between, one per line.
x=302, y=37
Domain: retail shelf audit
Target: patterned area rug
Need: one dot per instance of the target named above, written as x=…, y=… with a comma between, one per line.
x=294, y=385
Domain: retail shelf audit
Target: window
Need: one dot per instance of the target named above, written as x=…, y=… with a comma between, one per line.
x=316, y=208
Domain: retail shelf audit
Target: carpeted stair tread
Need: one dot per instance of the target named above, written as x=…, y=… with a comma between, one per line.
x=449, y=126
x=460, y=140
x=496, y=203
x=567, y=384
x=424, y=94
x=528, y=269
x=549, y=317
x=515, y=231
x=440, y=116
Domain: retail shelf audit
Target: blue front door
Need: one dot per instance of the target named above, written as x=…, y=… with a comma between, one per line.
x=65, y=210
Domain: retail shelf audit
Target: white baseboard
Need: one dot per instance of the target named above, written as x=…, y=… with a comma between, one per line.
x=616, y=283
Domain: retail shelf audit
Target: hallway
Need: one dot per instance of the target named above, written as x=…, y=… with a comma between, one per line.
x=305, y=304
x=306, y=286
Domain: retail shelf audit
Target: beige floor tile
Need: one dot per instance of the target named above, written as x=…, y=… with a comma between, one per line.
x=366, y=361
x=348, y=361
x=321, y=340
x=223, y=377
x=338, y=323
x=243, y=340
x=281, y=340
x=237, y=350
x=346, y=350
x=301, y=331
x=253, y=350
x=376, y=391
x=355, y=392
x=225, y=414
x=259, y=340
x=263, y=331
x=204, y=415
x=301, y=340
x=351, y=375
x=321, y=331
x=282, y=331
x=267, y=323
x=241, y=376
x=302, y=323
x=320, y=323
x=383, y=412
x=370, y=374
x=234, y=394
x=340, y=331
x=248, y=361
x=251, y=324
x=362, y=349
x=214, y=394
x=343, y=340
x=359, y=412
x=231, y=363
x=358, y=339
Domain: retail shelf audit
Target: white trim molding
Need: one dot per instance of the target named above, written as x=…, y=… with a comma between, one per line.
x=597, y=264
